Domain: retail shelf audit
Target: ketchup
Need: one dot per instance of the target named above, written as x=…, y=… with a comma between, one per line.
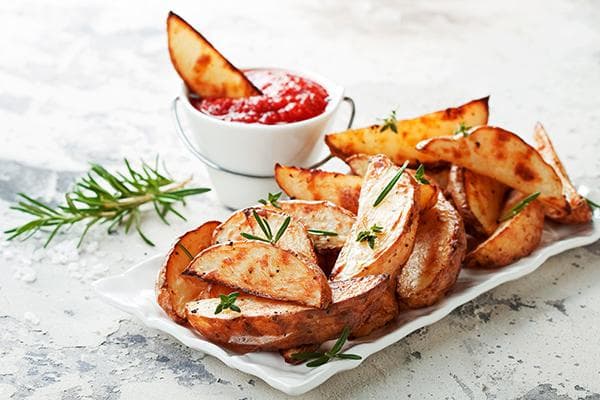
x=285, y=98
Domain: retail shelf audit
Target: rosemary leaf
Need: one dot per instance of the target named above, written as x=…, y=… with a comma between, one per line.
x=390, y=185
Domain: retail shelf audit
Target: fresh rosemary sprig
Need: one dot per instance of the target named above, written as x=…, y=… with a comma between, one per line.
x=591, y=203
x=103, y=197
x=322, y=357
x=321, y=233
x=389, y=123
x=266, y=228
x=228, y=301
x=420, y=175
x=390, y=185
x=517, y=208
x=462, y=129
x=185, y=251
x=370, y=235
x=273, y=199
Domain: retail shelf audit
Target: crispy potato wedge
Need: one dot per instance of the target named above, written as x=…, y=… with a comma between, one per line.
x=294, y=239
x=478, y=199
x=314, y=184
x=397, y=214
x=514, y=238
x=272, y=325
x=579, y=212
x=501, y=155
x=263, y=270
x=434, y=264
x=401, y=146
x=203, y=69
x=173, y=289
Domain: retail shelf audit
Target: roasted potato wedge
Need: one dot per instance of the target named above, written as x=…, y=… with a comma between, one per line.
x=272, y=325
x=400, y=146
x=501, y=155
x=397, y=215
x=358, y=163
x=203, y=69
x=434, y=264
x=263, y=270
x=173, y=289
x=579, y=211
x=478, y=199
x=294, y=239
x=513, y=239
x=314, y=184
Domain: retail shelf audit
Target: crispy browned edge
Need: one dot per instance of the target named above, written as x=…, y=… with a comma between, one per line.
x=171, y=16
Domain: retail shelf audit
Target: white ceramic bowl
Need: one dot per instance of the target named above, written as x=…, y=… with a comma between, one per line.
x=241, y=156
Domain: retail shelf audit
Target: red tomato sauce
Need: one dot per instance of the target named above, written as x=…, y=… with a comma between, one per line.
x=285, y=98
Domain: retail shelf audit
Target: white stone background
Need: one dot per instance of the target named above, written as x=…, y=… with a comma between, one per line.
x=91, y=81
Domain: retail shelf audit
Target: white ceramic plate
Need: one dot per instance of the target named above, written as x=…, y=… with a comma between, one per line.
x=133, y=292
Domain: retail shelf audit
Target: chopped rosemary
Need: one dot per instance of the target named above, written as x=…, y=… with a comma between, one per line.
x=228, y=301
x=321, y=233
x=591, y=203
x=420, y=175
x=369, y=235
x=105, y=197
x=266, y=228
x=390, y=185
x=273, y=199
x=389, y=123
x=462, y=129
x=517, y=208
x=186, y=251
x=322, y=357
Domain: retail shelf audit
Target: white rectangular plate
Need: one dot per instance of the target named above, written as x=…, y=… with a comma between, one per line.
x=133, y=292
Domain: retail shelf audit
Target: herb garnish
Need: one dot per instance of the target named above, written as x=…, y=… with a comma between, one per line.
x=102, y=197
x=228, y=301
x=320, y=357
x=519, y=206
x=389, y=123
x=591, y=203
x=390, y=185
x=321, y=233
x=462, y=129
x=273, y=198
x=370, y=235
x=266, y=228
x=420, y=175
x=186, y=251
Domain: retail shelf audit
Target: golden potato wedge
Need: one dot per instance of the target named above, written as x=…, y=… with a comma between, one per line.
x=514, y=238
x=434, y=264
x=203, y=69
x=501, y=155
x=579, y=212
x=314, y=184
x=263, y=270
x=295, y=237
x=358, y=163
x=272, y=325
x=478, y=199
x=400, y=146
x=173, y=289
x=397, y=215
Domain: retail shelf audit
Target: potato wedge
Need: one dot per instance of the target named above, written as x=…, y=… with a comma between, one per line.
x=478, y=199
x=579, y=212
x=358, y=163
x=514, y=239
x=501, y=155
x=272, y=325
x=434, y=264
x=263, y=270
x=173, y=289
x=401, y=146
x=397, y=215
x=306, y=184
x=294, y=239
x=203, y=69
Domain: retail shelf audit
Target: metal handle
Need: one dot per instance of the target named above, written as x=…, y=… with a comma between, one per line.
x=188, y=143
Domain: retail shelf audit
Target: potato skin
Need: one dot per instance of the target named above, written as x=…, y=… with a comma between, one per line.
x=268, y=325
x=434, y=264
x=514, y=238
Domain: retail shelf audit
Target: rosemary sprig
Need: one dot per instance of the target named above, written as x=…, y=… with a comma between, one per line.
x=389, y=123
x=321, y=233
x=273, y=199
x=517, y=208
x=227, y=301
x=591, y=203
x=462, y=129
x=103, y=197
x=266, y=228
x=370, y=235
x=322, y=357
x=420, y=175
x=185, y=251
x=390, y=185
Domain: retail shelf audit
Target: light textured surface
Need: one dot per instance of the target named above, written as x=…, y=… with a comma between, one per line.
x=93, y=82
